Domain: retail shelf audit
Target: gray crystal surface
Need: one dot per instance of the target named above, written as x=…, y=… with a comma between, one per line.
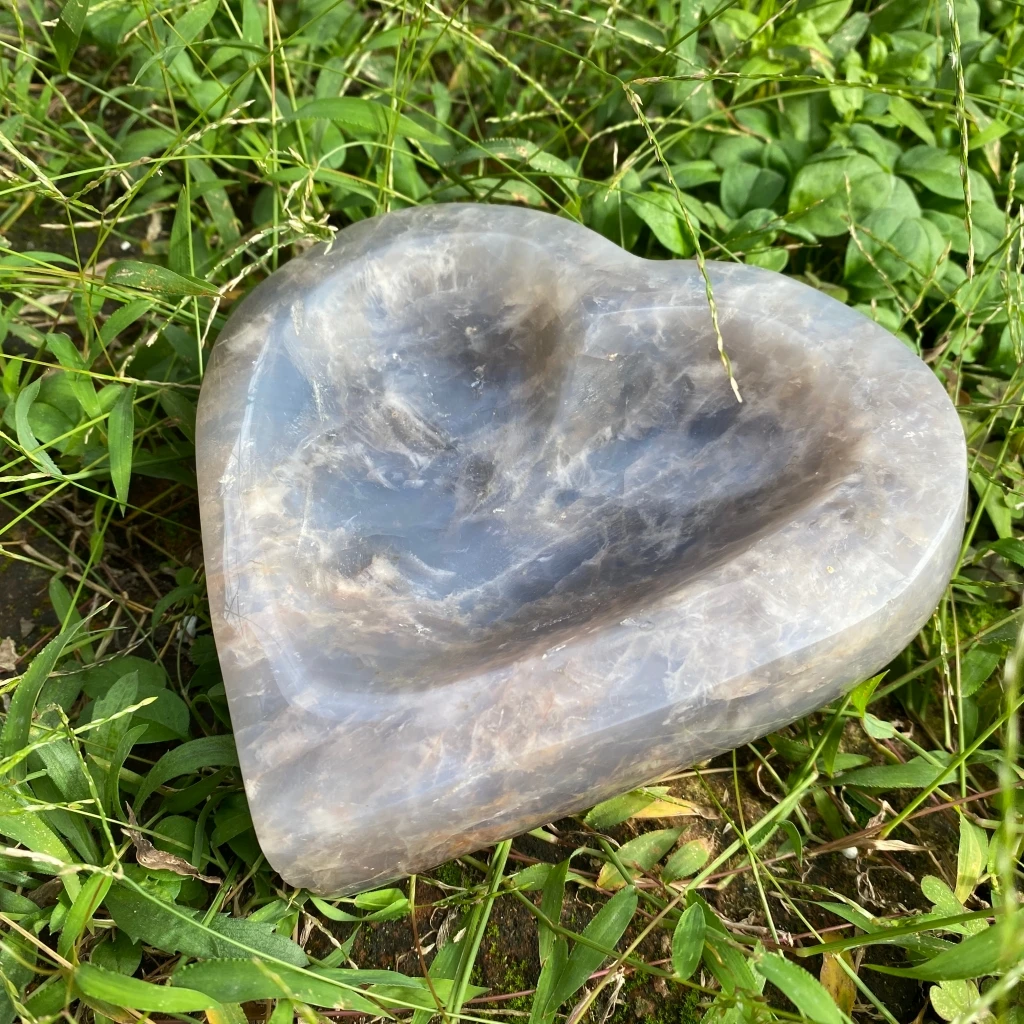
x=489, y=538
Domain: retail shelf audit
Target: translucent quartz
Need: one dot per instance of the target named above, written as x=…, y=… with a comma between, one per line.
x=489, y=538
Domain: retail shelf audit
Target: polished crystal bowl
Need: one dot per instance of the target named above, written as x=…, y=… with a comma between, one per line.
x=489, y=537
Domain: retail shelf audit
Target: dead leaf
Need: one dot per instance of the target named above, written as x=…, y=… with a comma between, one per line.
x=8, y=655
x=672, y=808
x=837, y=982
x=870, y=845
x=150, y=857
x=877, y=819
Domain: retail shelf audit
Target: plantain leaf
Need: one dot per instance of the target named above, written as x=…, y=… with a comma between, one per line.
x=801, y=988
x=688, y=942
x=363, y=115
x=205, y=752
x=151, y=277
x=68, y=31
x=122, y=992
x=604, y=931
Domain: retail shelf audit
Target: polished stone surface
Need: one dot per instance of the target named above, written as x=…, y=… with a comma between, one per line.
x=489, y=539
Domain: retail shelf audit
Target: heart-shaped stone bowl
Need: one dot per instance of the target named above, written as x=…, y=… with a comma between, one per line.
x=489, y=537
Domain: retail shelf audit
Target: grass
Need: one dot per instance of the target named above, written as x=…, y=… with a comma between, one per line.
x=159, y=158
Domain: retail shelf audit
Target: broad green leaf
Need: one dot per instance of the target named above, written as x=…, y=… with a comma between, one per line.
x=228, y=1013
x=971, y=857
x=151, y=277
x=64, y=769
x=551, y=907
x=71, y=825
x=939, y=172
x=444, y=967
x=692, y=173
x=397, y=906
x=165, y=718
x=688, y=942
x=171, y=598
x=950, y=999
x=46, y=1000
x=232, y=818
x=917, y=773
x=69, y=30
x=989, y=952
x=117, y=953
x=661, y=213
x=542, y=1010
x=800, y=987
x=878, y=728
x=800, y=30
x=18, y=722
x=910, y=117
x=827, y=15
x=686, y=861
x=363, y=115
x=178, y=407
x=638, y=855
x=146, y=141
x=828, y=190
x=891, y=248
x=96, y=680
x=26, y=436
x=860, y=695
x=189, y=25
x=938, y=893
x=81, y=384
x=252, y=23
x=519, y=151
x=17, y=962
x=176, y=929
x=612, y=812
x=412, y=992
x=120, y=441
x=182, y=32
x=87, y=902
x=746, y=187
x=532, y=878
x=849, y=33
x=204, y=752
x=238, y=981
x=604, y=930
x=123, y=694
x=793, y=843
x=111, y=792
x=179, y=255
x=216, y=199
x=136, y=994
x=976, y=666
x=20, y=823
x=67, y=614
x=609, y=212
x=123, y=317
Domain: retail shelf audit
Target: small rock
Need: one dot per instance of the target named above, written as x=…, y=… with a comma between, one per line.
x=27, y=625
x=413, y=674
x=8, y=655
